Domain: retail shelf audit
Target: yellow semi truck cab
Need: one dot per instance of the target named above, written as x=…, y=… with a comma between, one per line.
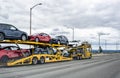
x=82, y=51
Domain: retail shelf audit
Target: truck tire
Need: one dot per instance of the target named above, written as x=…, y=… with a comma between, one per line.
x=90, y=57
x=78, y=58
x=42, y=60
x=34, y=60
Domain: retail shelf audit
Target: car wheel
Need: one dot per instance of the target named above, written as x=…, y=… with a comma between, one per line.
x=4, y=59
x=42, y=60
x=2, y=36
x=34, y=60
x=24, y=37
x=50, y=41
x=58, y=42
x=37, y=40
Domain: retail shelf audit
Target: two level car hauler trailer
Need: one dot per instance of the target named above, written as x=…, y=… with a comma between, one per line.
x=35, y=58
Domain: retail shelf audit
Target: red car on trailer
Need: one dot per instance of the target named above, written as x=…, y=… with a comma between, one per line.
x=40, y=37
x=11, y=52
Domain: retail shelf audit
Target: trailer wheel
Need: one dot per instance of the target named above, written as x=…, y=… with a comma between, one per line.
x=42, y=60
x=90, y=56
x=34, y=60
x=78, y=57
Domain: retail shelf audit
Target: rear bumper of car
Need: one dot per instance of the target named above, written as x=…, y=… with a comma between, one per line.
x=54, y=41
x=31, y=38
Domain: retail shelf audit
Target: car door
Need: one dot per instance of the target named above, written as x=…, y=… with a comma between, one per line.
x=44, y=37
x=9, y=52
x=65, y=40
x=13, y=32
x=14, y=52
x=62, y=39
x=41, y=37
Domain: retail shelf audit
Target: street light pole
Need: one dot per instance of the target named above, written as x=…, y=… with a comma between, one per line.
x=73, y=30
x=99, y=35
x=105, y=44
x=100, y=49
x=116, y=45
x=31, y=16
x=30, y=19
x=99, y=39
x=73, y=33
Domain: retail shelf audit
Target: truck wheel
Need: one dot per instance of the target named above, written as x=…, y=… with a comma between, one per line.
x=23, y=37
x=2, y=36
x=4, y=59
x=90, y=57
x=42, y=60
x=78, y=57
x=34, y=60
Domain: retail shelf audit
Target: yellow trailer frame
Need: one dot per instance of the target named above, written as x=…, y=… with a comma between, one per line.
x=42, y=58
x=29, y=59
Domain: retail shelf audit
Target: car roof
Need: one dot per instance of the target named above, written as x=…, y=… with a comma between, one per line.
x=39, y=33
x=60, y=36
x=5, y=24
x=7, y=46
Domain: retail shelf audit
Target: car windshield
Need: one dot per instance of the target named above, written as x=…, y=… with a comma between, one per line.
x=57, y=37
x=14, y=48
x=38, y=34
x=35, y=33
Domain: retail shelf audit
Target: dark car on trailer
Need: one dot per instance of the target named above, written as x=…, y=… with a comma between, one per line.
x=8, y=31
x=60, y=40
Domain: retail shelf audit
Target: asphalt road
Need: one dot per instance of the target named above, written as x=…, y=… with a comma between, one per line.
x=105, y=66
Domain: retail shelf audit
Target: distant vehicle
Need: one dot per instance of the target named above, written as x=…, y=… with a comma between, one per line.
x=10, y=52
x=40, y=37
x=8, y=31
x=60, y=40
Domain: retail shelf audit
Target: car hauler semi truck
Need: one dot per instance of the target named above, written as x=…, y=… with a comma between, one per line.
x=45, y=52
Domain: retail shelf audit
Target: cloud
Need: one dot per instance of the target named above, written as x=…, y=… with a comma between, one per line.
x=87, y=16
x=78, y=13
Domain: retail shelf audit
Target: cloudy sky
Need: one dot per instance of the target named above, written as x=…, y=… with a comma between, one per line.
x=87, y=17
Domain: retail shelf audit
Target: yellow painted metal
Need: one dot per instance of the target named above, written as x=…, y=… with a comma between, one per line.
x=30, y=43
x=86, y=53
x=48, y=57
x=28, y=60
